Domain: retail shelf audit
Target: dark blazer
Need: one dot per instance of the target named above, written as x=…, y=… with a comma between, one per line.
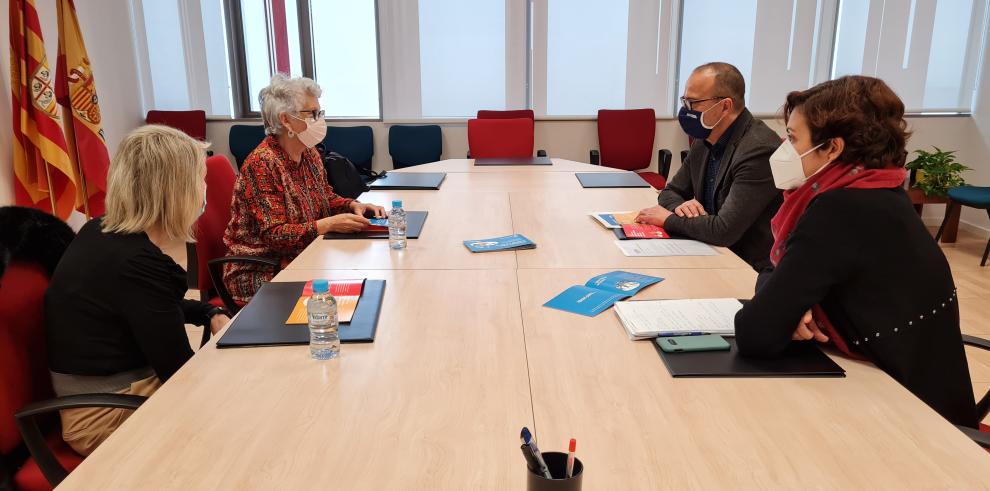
x=745, y=196
x=868, y=260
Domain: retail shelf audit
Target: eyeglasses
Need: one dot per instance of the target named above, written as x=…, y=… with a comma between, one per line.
x=314, y=115
x=689, y=103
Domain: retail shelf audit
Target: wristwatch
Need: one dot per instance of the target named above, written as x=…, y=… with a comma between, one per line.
x=216, y=311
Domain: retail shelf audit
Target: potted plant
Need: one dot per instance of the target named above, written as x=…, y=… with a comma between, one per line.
x=936, y=172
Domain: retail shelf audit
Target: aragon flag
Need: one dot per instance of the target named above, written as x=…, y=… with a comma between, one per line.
x=75, y=90
x=44, y=175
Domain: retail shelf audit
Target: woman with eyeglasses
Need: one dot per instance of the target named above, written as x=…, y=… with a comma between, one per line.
x=282, y=200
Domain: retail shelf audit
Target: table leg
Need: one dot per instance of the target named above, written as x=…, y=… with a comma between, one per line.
x=952, y=212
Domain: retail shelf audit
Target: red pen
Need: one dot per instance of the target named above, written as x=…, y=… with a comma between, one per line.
x=570, y=458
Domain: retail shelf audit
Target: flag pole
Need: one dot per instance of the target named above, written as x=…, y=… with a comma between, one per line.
x=51, y=192
x=70, y=131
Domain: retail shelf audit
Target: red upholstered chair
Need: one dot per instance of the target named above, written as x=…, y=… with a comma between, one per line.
x=510, y=114
x=500, y=138
x=625, y=140
x=25, y=388
x=192, y=123
x=210, y=249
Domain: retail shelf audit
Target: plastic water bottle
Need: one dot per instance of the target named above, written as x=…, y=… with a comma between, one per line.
x=397, y=226
x=324, y=341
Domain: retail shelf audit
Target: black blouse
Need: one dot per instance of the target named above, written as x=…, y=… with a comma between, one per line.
x=115, y=303
x=866, y=257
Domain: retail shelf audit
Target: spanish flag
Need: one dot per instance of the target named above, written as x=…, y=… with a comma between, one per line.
x=75, y=91
x=44, y=175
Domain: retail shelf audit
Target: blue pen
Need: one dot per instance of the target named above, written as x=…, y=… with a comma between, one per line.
x=678, y=334
x=527, y=440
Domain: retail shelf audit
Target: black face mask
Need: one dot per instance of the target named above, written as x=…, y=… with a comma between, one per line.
x=692, y=124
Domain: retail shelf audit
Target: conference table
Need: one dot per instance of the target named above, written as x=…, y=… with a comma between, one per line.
x=466, y=355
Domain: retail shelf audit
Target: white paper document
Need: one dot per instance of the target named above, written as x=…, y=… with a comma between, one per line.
x=664, y=248
x=644, y=319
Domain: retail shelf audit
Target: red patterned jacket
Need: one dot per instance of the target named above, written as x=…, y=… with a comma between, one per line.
x=274, y=211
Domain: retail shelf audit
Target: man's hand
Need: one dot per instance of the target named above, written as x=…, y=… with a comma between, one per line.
x=656, y=215
x=690, y=209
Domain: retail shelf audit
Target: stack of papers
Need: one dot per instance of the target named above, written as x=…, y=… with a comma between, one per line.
x=615, y=219
x=514, y=242
x=645, y=319
x=664, y=248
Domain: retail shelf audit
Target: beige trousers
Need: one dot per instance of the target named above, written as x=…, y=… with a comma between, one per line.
x=85, y=429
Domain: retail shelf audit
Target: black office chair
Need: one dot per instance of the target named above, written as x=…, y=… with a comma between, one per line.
x=243, y=139
x=981, y=436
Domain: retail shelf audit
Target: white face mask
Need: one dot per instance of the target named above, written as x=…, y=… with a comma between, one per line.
x=786, y=167
x=314, y=132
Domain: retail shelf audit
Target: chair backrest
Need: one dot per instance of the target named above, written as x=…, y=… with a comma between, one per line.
x=510, y=114
x=357, y=143
x=192, y=123
x=414, y=145
x=625, y=137
x=500, y=138
x=23, y=365
x=213, y=222
x=243, y=139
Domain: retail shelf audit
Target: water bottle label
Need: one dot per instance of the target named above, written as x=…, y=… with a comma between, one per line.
x=319, y=317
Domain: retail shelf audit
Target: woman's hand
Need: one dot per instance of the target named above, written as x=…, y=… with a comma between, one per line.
x=807, y=329
x=217, y=322
x=344, y=223
x=656, y=215
x=364, y=209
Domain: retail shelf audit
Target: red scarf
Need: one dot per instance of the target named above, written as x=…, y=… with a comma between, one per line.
x=836, y=175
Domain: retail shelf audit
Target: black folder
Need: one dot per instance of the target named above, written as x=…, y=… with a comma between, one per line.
x=798, y=360
x=409, y=180
x=515, y=161
x=262, y=321
x=414, y=226
x=611, y=180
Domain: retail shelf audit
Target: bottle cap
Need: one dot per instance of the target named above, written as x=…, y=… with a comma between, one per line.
x=321, y=286
x=396, y=203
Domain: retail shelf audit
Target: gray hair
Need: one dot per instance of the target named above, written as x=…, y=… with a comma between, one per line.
x=284, y=95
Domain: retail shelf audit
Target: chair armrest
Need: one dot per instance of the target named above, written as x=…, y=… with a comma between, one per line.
x=663, y=162
x=982, y=439
x=541, y=153
x=34, y=439
x=595, y=158
x=216, y=274
x=976, y=342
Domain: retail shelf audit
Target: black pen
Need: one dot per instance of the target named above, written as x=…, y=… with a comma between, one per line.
x=531, y=461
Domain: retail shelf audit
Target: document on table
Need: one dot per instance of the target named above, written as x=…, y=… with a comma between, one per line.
x=644, y=319
x=664, y=247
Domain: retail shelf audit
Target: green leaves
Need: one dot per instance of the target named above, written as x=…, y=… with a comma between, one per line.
x=938, y=171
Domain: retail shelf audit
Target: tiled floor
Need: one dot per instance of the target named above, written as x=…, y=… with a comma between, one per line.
x=972, y=281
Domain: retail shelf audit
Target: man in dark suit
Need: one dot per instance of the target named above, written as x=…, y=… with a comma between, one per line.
x=724, y=193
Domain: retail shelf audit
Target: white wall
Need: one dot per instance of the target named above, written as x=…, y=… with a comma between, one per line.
x=105, y=26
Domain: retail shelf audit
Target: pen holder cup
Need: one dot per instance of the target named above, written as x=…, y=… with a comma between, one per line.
x=557, y=463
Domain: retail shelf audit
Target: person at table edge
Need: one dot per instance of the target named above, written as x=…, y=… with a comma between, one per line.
x=282, y=200
x=854, y=264
x=723, y=194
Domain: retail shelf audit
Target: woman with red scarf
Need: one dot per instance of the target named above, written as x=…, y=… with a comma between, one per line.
x=853, y=264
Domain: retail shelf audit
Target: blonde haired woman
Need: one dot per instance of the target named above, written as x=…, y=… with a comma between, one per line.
x=115, y=309
x=281, y=198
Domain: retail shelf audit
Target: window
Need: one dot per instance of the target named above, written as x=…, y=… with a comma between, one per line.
x=774, y=49
x=341, y=51
x=928, y=51
x=602, y=54
x=194, y=76
x=450, y=58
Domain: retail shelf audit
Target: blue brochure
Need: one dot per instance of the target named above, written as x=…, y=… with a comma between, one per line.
x=379, y=222
x=601, y=292
x=514, y=242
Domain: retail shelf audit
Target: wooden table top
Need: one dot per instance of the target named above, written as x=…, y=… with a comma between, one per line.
x=466, y=355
